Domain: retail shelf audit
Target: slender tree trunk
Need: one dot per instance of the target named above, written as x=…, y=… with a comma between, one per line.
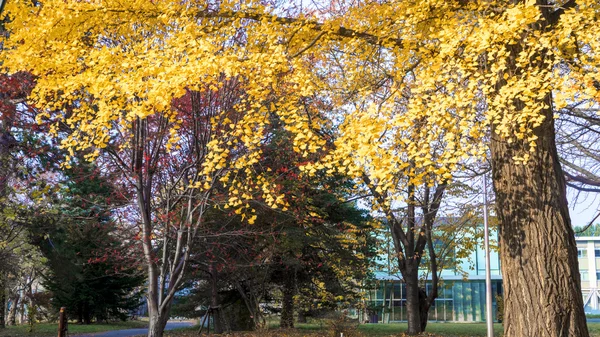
x=423, y=308
x=31, y=311
x=87, y=317
x=14, y=305
x=22, y=310
x=542, y=289
x=287, y=308
x=80, y=314
x=2, y=310
x=157, y=319
x=2, y=302
x=413, y=310
x=214, y=299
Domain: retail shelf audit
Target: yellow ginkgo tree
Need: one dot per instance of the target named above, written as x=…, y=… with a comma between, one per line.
x=459, y=73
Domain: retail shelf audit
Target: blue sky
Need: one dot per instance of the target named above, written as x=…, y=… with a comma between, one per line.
x=583, y=207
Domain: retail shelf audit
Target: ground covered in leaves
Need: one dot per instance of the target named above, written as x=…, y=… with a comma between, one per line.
x=371, y=330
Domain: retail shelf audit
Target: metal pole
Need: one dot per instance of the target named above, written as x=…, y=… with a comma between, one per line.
x=488, y=273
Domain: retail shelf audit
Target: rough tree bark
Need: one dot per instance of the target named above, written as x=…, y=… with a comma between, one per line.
x=542, y=289
x=413, y=310
x=287, y=308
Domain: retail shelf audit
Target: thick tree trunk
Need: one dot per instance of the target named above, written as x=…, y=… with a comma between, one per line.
x=542, y=289
x=287, y=305
x=14, y=305
x=413, y=309
x=158, y=317
x=156, y=326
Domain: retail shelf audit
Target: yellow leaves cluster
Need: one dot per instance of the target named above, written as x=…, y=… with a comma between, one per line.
x=412, y=88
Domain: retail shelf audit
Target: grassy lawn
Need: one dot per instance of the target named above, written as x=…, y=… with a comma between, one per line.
x=436, y=329
x=373, y=330
x=51, y=329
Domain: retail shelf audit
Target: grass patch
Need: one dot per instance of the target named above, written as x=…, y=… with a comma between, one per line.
x=373, y=330
x=435, y=329
x=594, y=329
x=51, y=329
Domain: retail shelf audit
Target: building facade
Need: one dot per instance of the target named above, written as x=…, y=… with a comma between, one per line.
x=588, y=253
x=462, y=294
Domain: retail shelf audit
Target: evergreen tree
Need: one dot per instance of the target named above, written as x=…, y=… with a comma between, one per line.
x=89, y=273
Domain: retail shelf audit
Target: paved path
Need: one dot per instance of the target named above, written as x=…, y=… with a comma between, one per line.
x=136, y=332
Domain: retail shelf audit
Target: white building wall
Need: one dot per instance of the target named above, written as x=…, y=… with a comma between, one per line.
x=589, y=287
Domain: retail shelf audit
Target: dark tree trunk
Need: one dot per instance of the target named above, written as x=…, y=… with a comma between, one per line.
x=413, y=309
x=410, y=248
x=87, y=318
x=80, y=314
x=287, y=307
x=301, y=316
x=423, y=308
x=214, y=300
x=542, y=289
x=2, y=302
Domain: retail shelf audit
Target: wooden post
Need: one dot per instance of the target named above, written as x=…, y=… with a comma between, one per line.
x=62, y=322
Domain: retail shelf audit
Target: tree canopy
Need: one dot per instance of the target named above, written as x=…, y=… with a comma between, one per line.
x=412, y=90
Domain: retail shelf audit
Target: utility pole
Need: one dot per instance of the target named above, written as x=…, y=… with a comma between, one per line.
x=488, y=273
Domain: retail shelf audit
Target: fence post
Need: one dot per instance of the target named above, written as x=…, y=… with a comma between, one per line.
x=62, y=322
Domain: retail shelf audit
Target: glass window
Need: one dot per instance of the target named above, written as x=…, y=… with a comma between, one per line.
x=397, y=288
x=449, y=310
x=585, y=276
x=597, y=252
x=379, y=293
x=581, y=252
x=447, y=290
x=598, y=275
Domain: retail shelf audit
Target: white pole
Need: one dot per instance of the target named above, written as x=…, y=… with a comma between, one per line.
x=488, y=273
